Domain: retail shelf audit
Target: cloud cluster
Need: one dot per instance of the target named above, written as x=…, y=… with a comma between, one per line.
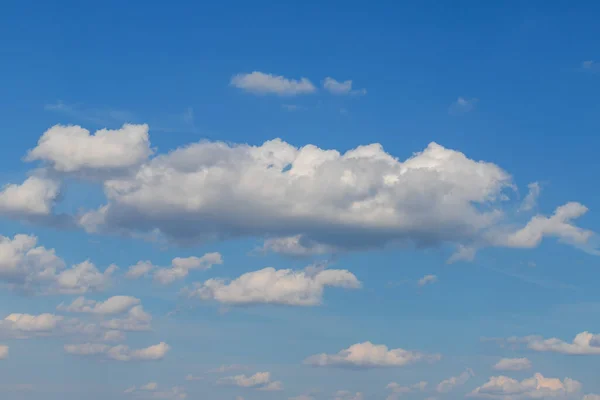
x=536, y=387
x=260, y=381
x=179, y=269
x=27, y=266
x=119, y=352
x=271, y=286
x=369, y=355
x=309, y=200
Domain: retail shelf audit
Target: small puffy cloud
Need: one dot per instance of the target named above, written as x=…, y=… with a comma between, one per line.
x=271, y=286
x=191, y=378
x=260, y=381
x=27, y=323
x=513, y=364
x=530, y=201
x=73, y=149
x=3, y=352
x=427, y=280
x=369, y=355
x=347, y=395
x=136, y=319
x=120, y=352
x=449, y=384
x=179, y=269
x=559, y=225
x=113, y=336
x=113, y=305
x=584, y=343
x=463, y=106
x=536, y=387
x=83, y=277
x=341, y=88
x=35, y=197
x=142, y=268
x=262, y=83
x=399, y=390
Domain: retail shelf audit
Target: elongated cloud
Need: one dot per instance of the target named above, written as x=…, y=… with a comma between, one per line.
x=120, y=352
x=369, y=355
x=113, y=305
x=179, y=269
x=309, y=200
x=512, y=364
x=584, y=343
x=260, y=381
x=262, y=83
x=449, y=384
x=271, y=286
x=536, y=387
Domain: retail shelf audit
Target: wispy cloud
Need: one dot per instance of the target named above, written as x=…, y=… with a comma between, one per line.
x=462, y=105
x=100, y=116
x=341, y=88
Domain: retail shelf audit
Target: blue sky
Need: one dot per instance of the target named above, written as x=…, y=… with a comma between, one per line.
x=278, y=269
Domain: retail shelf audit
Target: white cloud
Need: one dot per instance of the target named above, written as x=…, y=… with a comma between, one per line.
x=427, y=280
x=135, y=320
x=530, y=201
x=558, y=225
x=142, y=268
x=297, y=245
x=27, y=323
x=260, y=381
x=536, y=387
x=512, y=364
x=310, y=201
x=113, y=305
x=341, y=88
x=347, y=395
x=72, y=149
x=262, y=83
x=26, y=266
x=449, y=384
x=120, y=352
x=591, y=397
x=368, y=355
x=84, y=277
x=150, y=390
x=584, y=343
x=463, y=105
x=33, y=198
x=3, y=352
x=179, y=269
x=271, y=286
x=399, y=390
x=191, y=378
